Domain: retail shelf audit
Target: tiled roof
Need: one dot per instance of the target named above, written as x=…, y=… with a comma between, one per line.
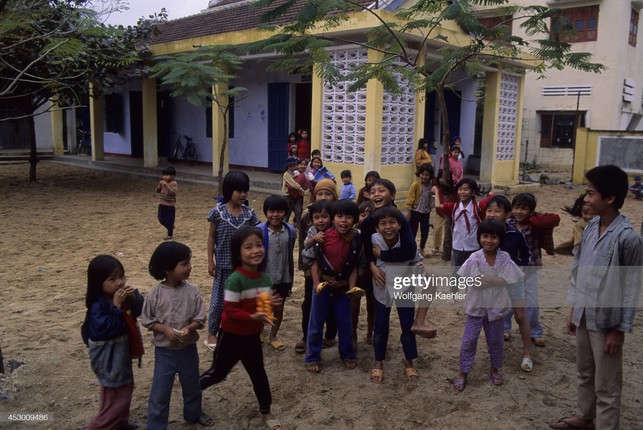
x=225, y=17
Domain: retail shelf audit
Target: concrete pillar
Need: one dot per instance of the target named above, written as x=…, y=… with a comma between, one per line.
x=97, y=120
x=218, y=122
x=373, y=135
x=150, y=128
x=57, y=128
x=316, y=111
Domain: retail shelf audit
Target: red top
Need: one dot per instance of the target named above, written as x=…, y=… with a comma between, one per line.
x=335, y=249
x=303, y=149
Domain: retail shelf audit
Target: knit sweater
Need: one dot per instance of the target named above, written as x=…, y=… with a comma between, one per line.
x=240, y=301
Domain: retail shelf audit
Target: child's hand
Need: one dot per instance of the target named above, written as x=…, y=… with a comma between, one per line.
x=379, y=277
x=262, y=318
x=212, y=268
x=276, y=300
x=571, y=328
x=173, y=334
x=319, y=237
x=377, y=251
x=121, y=295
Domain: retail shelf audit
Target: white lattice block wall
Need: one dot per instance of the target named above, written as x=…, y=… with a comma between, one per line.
x=398, y=120
x=508, y=115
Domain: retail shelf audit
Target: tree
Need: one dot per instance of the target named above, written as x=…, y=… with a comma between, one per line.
x=304, y=40
x=199, y=75
x=51, y=49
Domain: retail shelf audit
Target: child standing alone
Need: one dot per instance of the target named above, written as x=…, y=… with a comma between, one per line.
x=110, y=328
x=168, y=188
x=419, y=201
x=174, y=311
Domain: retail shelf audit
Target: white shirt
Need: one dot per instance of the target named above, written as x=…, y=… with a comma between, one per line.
x=465, y=237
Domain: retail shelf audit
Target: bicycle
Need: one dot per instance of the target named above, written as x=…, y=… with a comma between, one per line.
x=84, y=144
x=188, y=152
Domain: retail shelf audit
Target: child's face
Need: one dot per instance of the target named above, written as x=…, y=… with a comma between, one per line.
x=595, y=202
x=292, y=138
x=381, y=196
x=324, y=195
x=252, y=252
x=346, y=180
x=425, y=177
x=343, y=223
x=114, y=282
x=304, y=135
x=182, y=271
x=389, y=227
x=364, y=215
x=455, y=153
x=369, y=180
x=321, y=220
x=302, y=166
x=465, y=193
x=168, y=178
x=489, y=242
x=521, y=213
x=291, y=167
x=587, y=213
x=316, y=164
x=496, y=212
x=238, y=197
x=275, y=217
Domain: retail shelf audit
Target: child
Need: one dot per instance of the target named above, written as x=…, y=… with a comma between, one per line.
x=113, y=338
x=279, y=244
x=419, y=201
x=225, y=219
x=538, y=230
x=455, y=165
x=241, y=323
x=364, y=194
x=383, y=195
x=292, y=191
x=174, y=311
x=514, y=243
x=466, y=215
x=389, y=221
x=490, y=271
x=577, y=210
x=336, y=264
x=167, y=206
x=637, y=188
x=303, y=146
x=324, y=190
x=348, y=189
x=365, y=281
x=604, y=292
x=291, y=146
x=422, y=155
x=317, y=172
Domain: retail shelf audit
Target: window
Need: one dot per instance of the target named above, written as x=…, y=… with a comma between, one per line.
x=557, y=128
x=113, y=113
x=495, y=21
x=584, y=21
x=634, y=27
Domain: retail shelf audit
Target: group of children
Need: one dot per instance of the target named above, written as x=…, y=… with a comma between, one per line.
x=345, y=252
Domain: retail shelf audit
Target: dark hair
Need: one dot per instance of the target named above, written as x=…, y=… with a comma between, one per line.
x=293, y=133
x=321, y=163
x=319, y=207
x=238, y=237
x=345, y=207
x=234, y=180
x=422, y=142
x=491, y=226
x=426, y=167
x=390, y=186
x=315, y=151
x=346, y=174
x=387, y=212
x=100, y=268
x=609, y=180
x=373, y=174
x=470, y=182
x=524, y=199
x=275, y=203
x=577, y=208
x=454, y=138
x=501, y=201
x=168, y=170
x=165, y=258
x=364, y=206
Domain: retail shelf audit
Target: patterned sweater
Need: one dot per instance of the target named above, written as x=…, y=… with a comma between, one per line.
x=240, y=301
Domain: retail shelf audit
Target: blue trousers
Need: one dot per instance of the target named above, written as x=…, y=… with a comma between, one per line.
x=167, y=363
x=381, y=330
x=532, y=308
x=341, y=305
x=166, y=215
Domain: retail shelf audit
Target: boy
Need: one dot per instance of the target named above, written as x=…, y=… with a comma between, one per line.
x=348, y=189
x=292, y=191
x=279, y=243
x=336, y=262
x=514, y=243
x=637, y=188
x=388, y=221
x=604, y=292
x=167, y=206
x=538, y=230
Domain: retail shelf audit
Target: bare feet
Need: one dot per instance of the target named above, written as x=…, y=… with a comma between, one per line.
x=574, y=422
x=313, y=367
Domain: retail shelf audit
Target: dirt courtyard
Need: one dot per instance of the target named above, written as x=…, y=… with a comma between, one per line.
x=53, y=228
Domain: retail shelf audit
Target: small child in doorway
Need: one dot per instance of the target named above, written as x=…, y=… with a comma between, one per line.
x=174, y=311
x=279, y=244
x=168, y=189
x=348, y=189
x=487, y=302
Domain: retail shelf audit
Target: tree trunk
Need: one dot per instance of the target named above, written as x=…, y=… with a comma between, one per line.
x=33, y=150
x=222, y=156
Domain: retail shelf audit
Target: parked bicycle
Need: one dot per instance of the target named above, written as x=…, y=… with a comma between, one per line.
x=84, y=144
x=188, y=152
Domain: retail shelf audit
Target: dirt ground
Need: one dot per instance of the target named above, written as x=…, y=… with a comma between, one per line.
x=52, y=229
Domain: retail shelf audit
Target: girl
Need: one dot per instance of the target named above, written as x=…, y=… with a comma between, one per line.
x=291, y=146
x=582, y=215
x=364, y=194
x=422, y=155
x=241, y=323
x=113, y=338
x=225, y=219
x=419, y=201
x=465, y=217
x=292, y=191
x=455, y=165
x=174, y=311
x=303, y=146
x=487, y=300
x=317, y=172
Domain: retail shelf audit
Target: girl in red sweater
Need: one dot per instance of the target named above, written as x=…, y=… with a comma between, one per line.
x=241, y=323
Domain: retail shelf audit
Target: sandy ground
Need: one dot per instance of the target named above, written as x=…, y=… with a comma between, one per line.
x=53, y=228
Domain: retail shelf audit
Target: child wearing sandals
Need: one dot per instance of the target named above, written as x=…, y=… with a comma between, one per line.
x=241, y=323
x=489, y=272
x=389, y=221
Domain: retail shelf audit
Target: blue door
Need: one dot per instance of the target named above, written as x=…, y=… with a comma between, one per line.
x=277, y=125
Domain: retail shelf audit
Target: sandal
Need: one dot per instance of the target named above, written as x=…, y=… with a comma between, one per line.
x=538, y=341
x=205, y=420
x=459, y=384
x=411, y=374
x=277, y=345
x=210, y=346
x=566, y=423
x=527, y=364
x=349, y=363
x=507, y=336
x=496, y=379
x=313, y=367
x=273, y=424
x=300, y=347
x=377, y=376
x=356, y=292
